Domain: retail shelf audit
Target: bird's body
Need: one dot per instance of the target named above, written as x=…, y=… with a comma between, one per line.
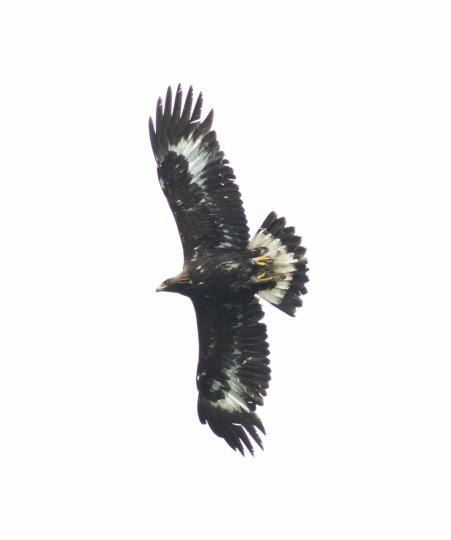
x=224, y=269
x=221, y=273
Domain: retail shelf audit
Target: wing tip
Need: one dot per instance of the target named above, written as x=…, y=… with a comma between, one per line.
x=236, y=429
x=153, y=136
x=174, y=122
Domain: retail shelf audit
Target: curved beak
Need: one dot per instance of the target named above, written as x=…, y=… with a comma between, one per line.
x=162, y=287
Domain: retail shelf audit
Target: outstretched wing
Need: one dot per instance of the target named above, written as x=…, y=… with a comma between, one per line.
x=233, y=371
x=195, y=177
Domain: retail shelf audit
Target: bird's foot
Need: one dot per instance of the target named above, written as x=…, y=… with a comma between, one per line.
x=262, y=261
x=264, y=278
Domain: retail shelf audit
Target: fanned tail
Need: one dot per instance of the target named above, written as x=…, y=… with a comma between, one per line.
x=287, y=266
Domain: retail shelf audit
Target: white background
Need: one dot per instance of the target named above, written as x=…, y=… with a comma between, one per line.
x=334, y=114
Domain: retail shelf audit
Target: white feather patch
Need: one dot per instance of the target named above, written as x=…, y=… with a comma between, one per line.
x=231, y=403
x=283, y=267
x=194, y=155
x=232, y=400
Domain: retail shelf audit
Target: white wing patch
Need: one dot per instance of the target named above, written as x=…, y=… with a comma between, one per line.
x=231, y=403
x=232, y=400
x=194, y=155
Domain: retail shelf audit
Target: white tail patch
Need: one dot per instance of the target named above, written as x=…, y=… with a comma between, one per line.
x=283, y=267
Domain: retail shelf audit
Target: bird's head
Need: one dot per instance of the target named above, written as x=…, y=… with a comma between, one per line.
x=178, y=284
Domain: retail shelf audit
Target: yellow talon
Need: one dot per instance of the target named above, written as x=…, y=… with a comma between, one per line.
x=263, y=278
x=262, y=261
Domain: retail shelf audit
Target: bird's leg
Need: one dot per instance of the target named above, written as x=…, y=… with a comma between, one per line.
x=263, y=260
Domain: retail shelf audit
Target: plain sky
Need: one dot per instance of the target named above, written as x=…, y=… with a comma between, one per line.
x=336, y=115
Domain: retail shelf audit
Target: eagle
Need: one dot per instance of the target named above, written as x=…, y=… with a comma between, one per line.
x=224, y=270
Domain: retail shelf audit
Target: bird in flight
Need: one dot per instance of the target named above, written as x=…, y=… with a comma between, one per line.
x=224, y=270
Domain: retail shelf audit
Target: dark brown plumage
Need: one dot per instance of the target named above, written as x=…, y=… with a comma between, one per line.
x=223, y=269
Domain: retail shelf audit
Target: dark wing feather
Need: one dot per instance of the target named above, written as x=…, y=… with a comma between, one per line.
x=195, y=177
x=233, y=371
